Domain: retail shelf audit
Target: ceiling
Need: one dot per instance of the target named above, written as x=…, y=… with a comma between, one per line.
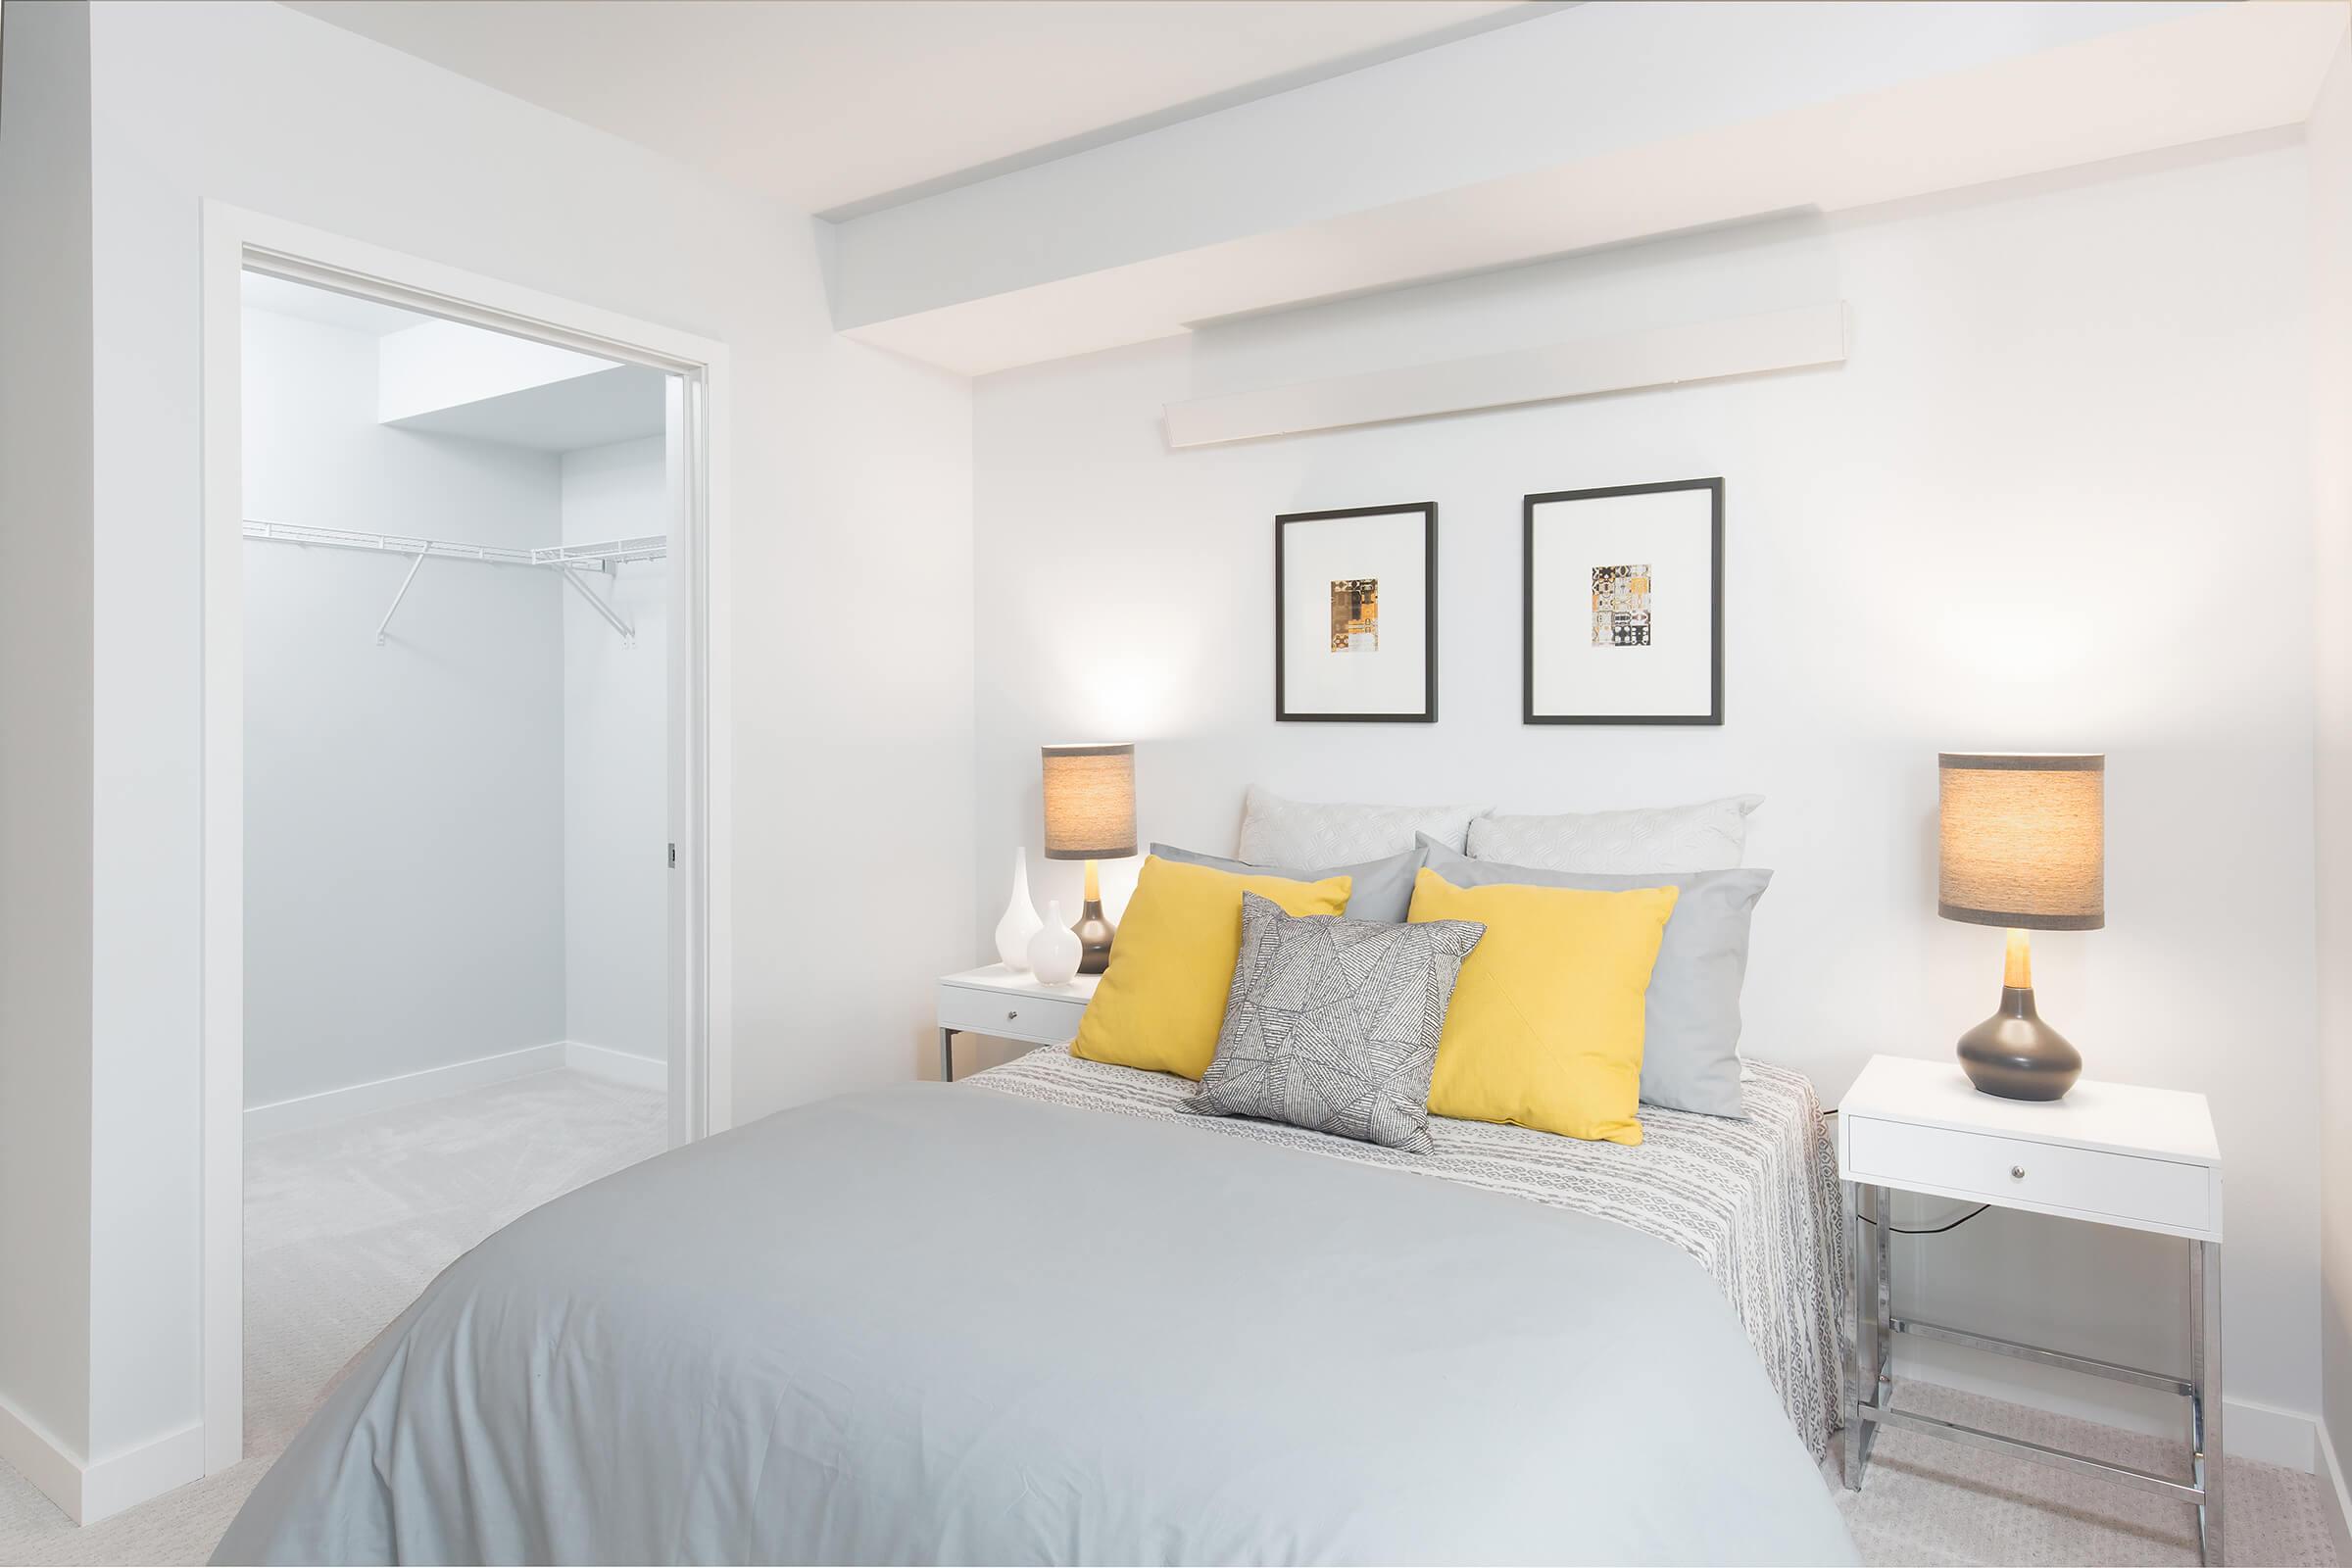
x=838, y=106
x=623, y=404
x=1242, y=155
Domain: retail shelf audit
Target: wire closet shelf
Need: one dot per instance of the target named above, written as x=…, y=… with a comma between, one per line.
x=570, y=561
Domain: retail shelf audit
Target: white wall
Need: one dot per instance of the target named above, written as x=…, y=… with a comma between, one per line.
x=404, y=805
x=2331, y=156
x=851, y=487
x=2055, y=500
x=617, y=788
x=45, y=800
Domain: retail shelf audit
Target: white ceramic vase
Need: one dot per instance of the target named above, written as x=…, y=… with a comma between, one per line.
x=1054, y=950
x=1020, y=921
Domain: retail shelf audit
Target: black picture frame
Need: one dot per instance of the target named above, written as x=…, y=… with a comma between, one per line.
x=1526, y=605
x=1429, y=677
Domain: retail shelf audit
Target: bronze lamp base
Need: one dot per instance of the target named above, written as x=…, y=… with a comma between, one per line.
x=2013, y=1054
x=2016, y=1056
x=1094, y=930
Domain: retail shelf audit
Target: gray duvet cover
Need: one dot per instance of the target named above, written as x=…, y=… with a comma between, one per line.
x=934, y=1323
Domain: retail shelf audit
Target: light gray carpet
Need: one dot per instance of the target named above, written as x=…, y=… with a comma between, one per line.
x=344, y=1225
x=1924, y=1501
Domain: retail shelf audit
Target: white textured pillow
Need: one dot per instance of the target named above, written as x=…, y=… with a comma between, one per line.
x=1708, y=837
x=1280, y=832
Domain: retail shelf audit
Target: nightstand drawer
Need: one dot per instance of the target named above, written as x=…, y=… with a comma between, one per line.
x=1040, y=1019
x=2016, y=1172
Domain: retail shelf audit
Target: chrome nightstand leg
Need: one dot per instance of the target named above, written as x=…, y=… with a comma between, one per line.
x=1882, y=1209
x=947, y=1056
x=1853, y=1346
x=2204, y=1403
x=1867, y=1353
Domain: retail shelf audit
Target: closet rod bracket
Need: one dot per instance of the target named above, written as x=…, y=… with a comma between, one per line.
x=628, y=633
x=402, y=593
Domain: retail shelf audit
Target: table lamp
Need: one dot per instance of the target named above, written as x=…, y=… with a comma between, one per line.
x=2024, y=846
x=1090, y=815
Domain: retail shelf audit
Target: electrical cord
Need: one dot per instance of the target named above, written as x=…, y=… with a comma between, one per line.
x=1927, y=1230
x=1938, y=1230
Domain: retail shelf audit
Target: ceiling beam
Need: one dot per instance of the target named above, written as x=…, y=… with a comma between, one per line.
x=1596, y=125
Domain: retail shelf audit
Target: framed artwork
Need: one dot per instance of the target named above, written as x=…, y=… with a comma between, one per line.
x=1623, y=605
x=1356, y=615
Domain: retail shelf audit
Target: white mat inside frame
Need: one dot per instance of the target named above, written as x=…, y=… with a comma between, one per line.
x=1702, y=351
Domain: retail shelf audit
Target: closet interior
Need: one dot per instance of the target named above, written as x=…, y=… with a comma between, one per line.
x=456, y=628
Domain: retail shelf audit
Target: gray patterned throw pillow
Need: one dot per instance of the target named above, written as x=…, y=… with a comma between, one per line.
x=1333, y=1024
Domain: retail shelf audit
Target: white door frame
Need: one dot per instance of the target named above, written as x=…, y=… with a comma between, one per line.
x=701, y=967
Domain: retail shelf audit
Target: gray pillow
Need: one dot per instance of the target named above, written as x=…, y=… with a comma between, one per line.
x=1691, y=1041
x=1711, y=836
x=1283, y=832
x=1333, y=1023
x=1383, y=889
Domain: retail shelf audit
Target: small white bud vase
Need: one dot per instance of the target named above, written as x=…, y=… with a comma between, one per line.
x=1053, y=952
x=1020, y=921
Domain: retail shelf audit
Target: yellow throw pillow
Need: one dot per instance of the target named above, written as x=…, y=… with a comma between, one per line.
x=1163, y=998
x=1544, y=1029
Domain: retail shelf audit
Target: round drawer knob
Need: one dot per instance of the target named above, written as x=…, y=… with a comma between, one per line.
x=1016, y=1013
x=2016, y=1173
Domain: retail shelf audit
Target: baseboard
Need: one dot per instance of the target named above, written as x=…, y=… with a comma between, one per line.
x=2335, y=1496
x=2288, y=1439
x=89, y=1493
x=130, y=1477
x=41, y=1459
x=617, y=1066
x=406, y=1089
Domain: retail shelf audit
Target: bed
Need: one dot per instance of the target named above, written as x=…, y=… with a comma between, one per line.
x=1042, y=1316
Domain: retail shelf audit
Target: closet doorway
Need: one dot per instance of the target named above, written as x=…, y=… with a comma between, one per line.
x=459, y=816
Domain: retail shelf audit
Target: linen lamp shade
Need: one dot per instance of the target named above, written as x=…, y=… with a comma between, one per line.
x=1090, y=802
x=2025, y=842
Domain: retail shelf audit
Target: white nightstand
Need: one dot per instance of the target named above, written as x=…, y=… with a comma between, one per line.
x=2113, y=1155
x=1012, y=1004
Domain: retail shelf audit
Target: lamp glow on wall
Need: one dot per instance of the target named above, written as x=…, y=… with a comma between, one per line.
x=1089, y=816
x=2024, y=846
